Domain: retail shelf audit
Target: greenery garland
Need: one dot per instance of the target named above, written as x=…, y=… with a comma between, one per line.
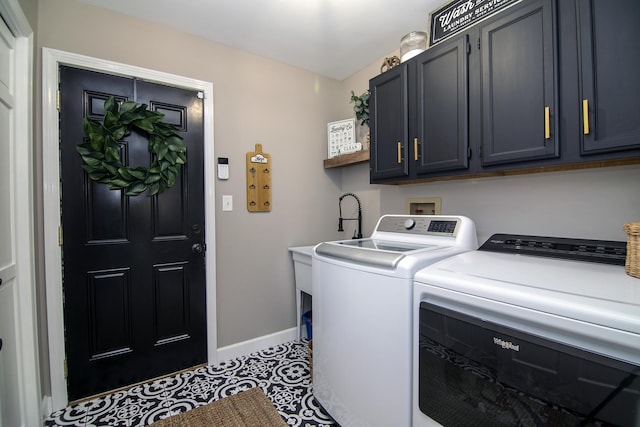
x=101, y=154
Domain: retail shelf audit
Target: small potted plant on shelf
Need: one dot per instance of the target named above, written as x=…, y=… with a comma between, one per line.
x=361, y=106
x=361, y=109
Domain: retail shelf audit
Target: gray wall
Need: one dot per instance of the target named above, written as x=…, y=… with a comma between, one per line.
x=589, y=203
x=30, y=9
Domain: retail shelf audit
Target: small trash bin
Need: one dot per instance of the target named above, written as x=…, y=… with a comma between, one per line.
x=306, y=318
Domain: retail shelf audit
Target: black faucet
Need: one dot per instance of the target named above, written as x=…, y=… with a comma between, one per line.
x=359, y=219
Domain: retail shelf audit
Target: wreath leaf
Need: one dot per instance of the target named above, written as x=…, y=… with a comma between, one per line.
x=83, y=150
x=96, y=176
x=110, y=104
x=96, y=141
x=118, y=184
x=119, y=133
x=127, y=106
x=136, y=189
x=162, y=151
x=101, y=154
x=124, y=173
x=91, y=162
x=138, y=174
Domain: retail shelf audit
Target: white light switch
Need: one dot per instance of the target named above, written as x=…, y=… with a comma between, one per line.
x=227, y=203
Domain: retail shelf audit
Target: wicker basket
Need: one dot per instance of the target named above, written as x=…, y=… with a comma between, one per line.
x=632, y=265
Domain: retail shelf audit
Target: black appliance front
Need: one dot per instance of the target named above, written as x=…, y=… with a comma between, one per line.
x=474, y=372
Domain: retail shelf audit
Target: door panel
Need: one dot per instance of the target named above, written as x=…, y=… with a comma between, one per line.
x=443, y=107
x=134, y=292
x=613, y=118
x=518, y=79
x=390, y=124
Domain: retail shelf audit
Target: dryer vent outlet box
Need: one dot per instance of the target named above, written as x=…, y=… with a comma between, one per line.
x=424, y=206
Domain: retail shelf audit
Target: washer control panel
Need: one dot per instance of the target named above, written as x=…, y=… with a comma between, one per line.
x=419, y=224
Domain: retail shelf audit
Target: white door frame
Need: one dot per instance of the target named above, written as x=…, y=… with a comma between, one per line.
x=51, y=60
x=28, y=369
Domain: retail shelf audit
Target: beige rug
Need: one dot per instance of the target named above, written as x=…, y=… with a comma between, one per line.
x=249, y=408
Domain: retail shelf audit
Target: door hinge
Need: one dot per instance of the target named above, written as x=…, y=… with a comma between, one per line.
x=58, y=100
x=66, y=369
x=60, y=235
x=468, y=48
x=478, y=43
x=469, y=153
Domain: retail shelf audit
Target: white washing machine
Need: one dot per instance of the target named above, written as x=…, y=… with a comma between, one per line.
x=528, y=331
x=362, y=317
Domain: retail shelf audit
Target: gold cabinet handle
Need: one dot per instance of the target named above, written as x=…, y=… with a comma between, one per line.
x=585, y=116
x=547, y=129
x=399, y=152
x=415, y=149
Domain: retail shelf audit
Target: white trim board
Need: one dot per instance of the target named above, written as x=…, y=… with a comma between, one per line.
x=51, y=60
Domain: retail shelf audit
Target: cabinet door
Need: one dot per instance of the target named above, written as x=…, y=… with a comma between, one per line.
x=609, y=37
x=441, y=136
x=518, y=86
x=388, y=109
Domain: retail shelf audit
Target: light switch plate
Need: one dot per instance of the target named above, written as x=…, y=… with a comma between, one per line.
x=227, y=203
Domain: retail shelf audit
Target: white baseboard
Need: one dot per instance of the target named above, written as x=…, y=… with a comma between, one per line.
x=256, y=344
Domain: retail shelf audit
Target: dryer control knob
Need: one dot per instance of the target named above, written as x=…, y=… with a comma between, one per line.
x=409, y=223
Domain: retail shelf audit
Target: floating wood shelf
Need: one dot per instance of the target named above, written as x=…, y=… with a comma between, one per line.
x=347, y=159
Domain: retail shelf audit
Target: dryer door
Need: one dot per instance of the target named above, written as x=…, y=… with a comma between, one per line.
x=472, y=369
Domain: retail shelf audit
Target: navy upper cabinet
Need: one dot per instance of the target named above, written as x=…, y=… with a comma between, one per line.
x=518, y=84
x=440, y=130
x=542, y=85
x=419, y=115
x=389, y=124
x=609, y=53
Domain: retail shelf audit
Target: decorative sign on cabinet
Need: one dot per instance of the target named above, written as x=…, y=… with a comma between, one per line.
x=454, y=17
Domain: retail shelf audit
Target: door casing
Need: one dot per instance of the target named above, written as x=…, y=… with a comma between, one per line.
x=51, y=60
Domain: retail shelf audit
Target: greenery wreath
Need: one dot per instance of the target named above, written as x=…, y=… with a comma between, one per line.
x=101, y=154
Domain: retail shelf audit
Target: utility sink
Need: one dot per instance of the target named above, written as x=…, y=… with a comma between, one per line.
x=302, y=269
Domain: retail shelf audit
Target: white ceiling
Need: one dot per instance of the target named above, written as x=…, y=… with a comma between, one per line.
x=334, y=38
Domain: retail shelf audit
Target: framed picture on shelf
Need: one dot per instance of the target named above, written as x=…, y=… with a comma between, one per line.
x=341, y=137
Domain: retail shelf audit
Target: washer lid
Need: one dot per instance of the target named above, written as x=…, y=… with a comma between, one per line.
x=383, y=245
x=379, y=253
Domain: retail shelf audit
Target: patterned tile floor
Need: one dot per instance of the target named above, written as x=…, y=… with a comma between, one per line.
x=282, y=372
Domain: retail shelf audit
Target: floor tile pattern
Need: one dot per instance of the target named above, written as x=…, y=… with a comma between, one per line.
x=282, y=372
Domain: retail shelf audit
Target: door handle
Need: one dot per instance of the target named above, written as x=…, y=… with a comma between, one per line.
x=415, y=149
x=547, y=124
x=585, y=116
x=399, y=152
x=198, y=248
